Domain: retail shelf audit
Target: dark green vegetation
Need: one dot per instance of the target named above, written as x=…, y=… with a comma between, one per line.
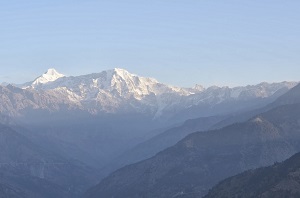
x=277, y=181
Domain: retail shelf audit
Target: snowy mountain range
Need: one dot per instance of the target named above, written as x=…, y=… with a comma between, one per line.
x=118, y=91
x=109, y=90
x=89, y=121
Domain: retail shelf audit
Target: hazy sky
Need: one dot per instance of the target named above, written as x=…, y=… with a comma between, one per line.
x=180, y=42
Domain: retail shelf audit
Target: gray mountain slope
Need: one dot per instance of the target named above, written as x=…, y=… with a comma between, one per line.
x=277, y=181
x=38, y=172
x=202, y=159
x=162, y=141
x=78, y=128
x=171, y=136
x=291, y=97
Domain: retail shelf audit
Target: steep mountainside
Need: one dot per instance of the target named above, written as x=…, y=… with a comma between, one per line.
x=26, y=167
x=291, y=97
x=171, y=136
x=16, y=102
x=202, y=159
x=162, y=141
x=95, y=140
x=49, y=76
x=277, y=181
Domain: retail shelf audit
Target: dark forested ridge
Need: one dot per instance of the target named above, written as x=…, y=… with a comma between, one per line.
x=277, y=181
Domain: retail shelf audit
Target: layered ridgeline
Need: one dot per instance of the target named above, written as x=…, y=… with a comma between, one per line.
x=87, y=121
x=277, y=181
x=77, y=116
x=196, y=163
x=162, y=141
x=171, y=136
x=291, y=97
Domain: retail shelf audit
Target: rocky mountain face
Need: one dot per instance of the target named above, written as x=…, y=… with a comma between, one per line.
x=199, y=161
x=117, y=92
x=16, y=102
x=112, y=91
x=279, y=180
x=291, y=97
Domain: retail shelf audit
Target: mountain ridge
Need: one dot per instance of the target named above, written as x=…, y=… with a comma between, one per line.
x=117, y=90
x=276, y=181
x=200, y=160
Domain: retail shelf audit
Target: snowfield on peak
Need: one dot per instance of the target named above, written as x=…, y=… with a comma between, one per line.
x=118, y=91
x=49, y=76
x=119, y=80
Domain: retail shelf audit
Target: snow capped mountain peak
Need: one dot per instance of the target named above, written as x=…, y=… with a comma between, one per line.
x=120, y=71
x=52, y=72
x=118, y=90
x=49, y=76
x=124, y=74
x=52, y=75
x=122, y=79
x=126, y=83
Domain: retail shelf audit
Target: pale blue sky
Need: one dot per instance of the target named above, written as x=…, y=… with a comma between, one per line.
x=179, y=42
